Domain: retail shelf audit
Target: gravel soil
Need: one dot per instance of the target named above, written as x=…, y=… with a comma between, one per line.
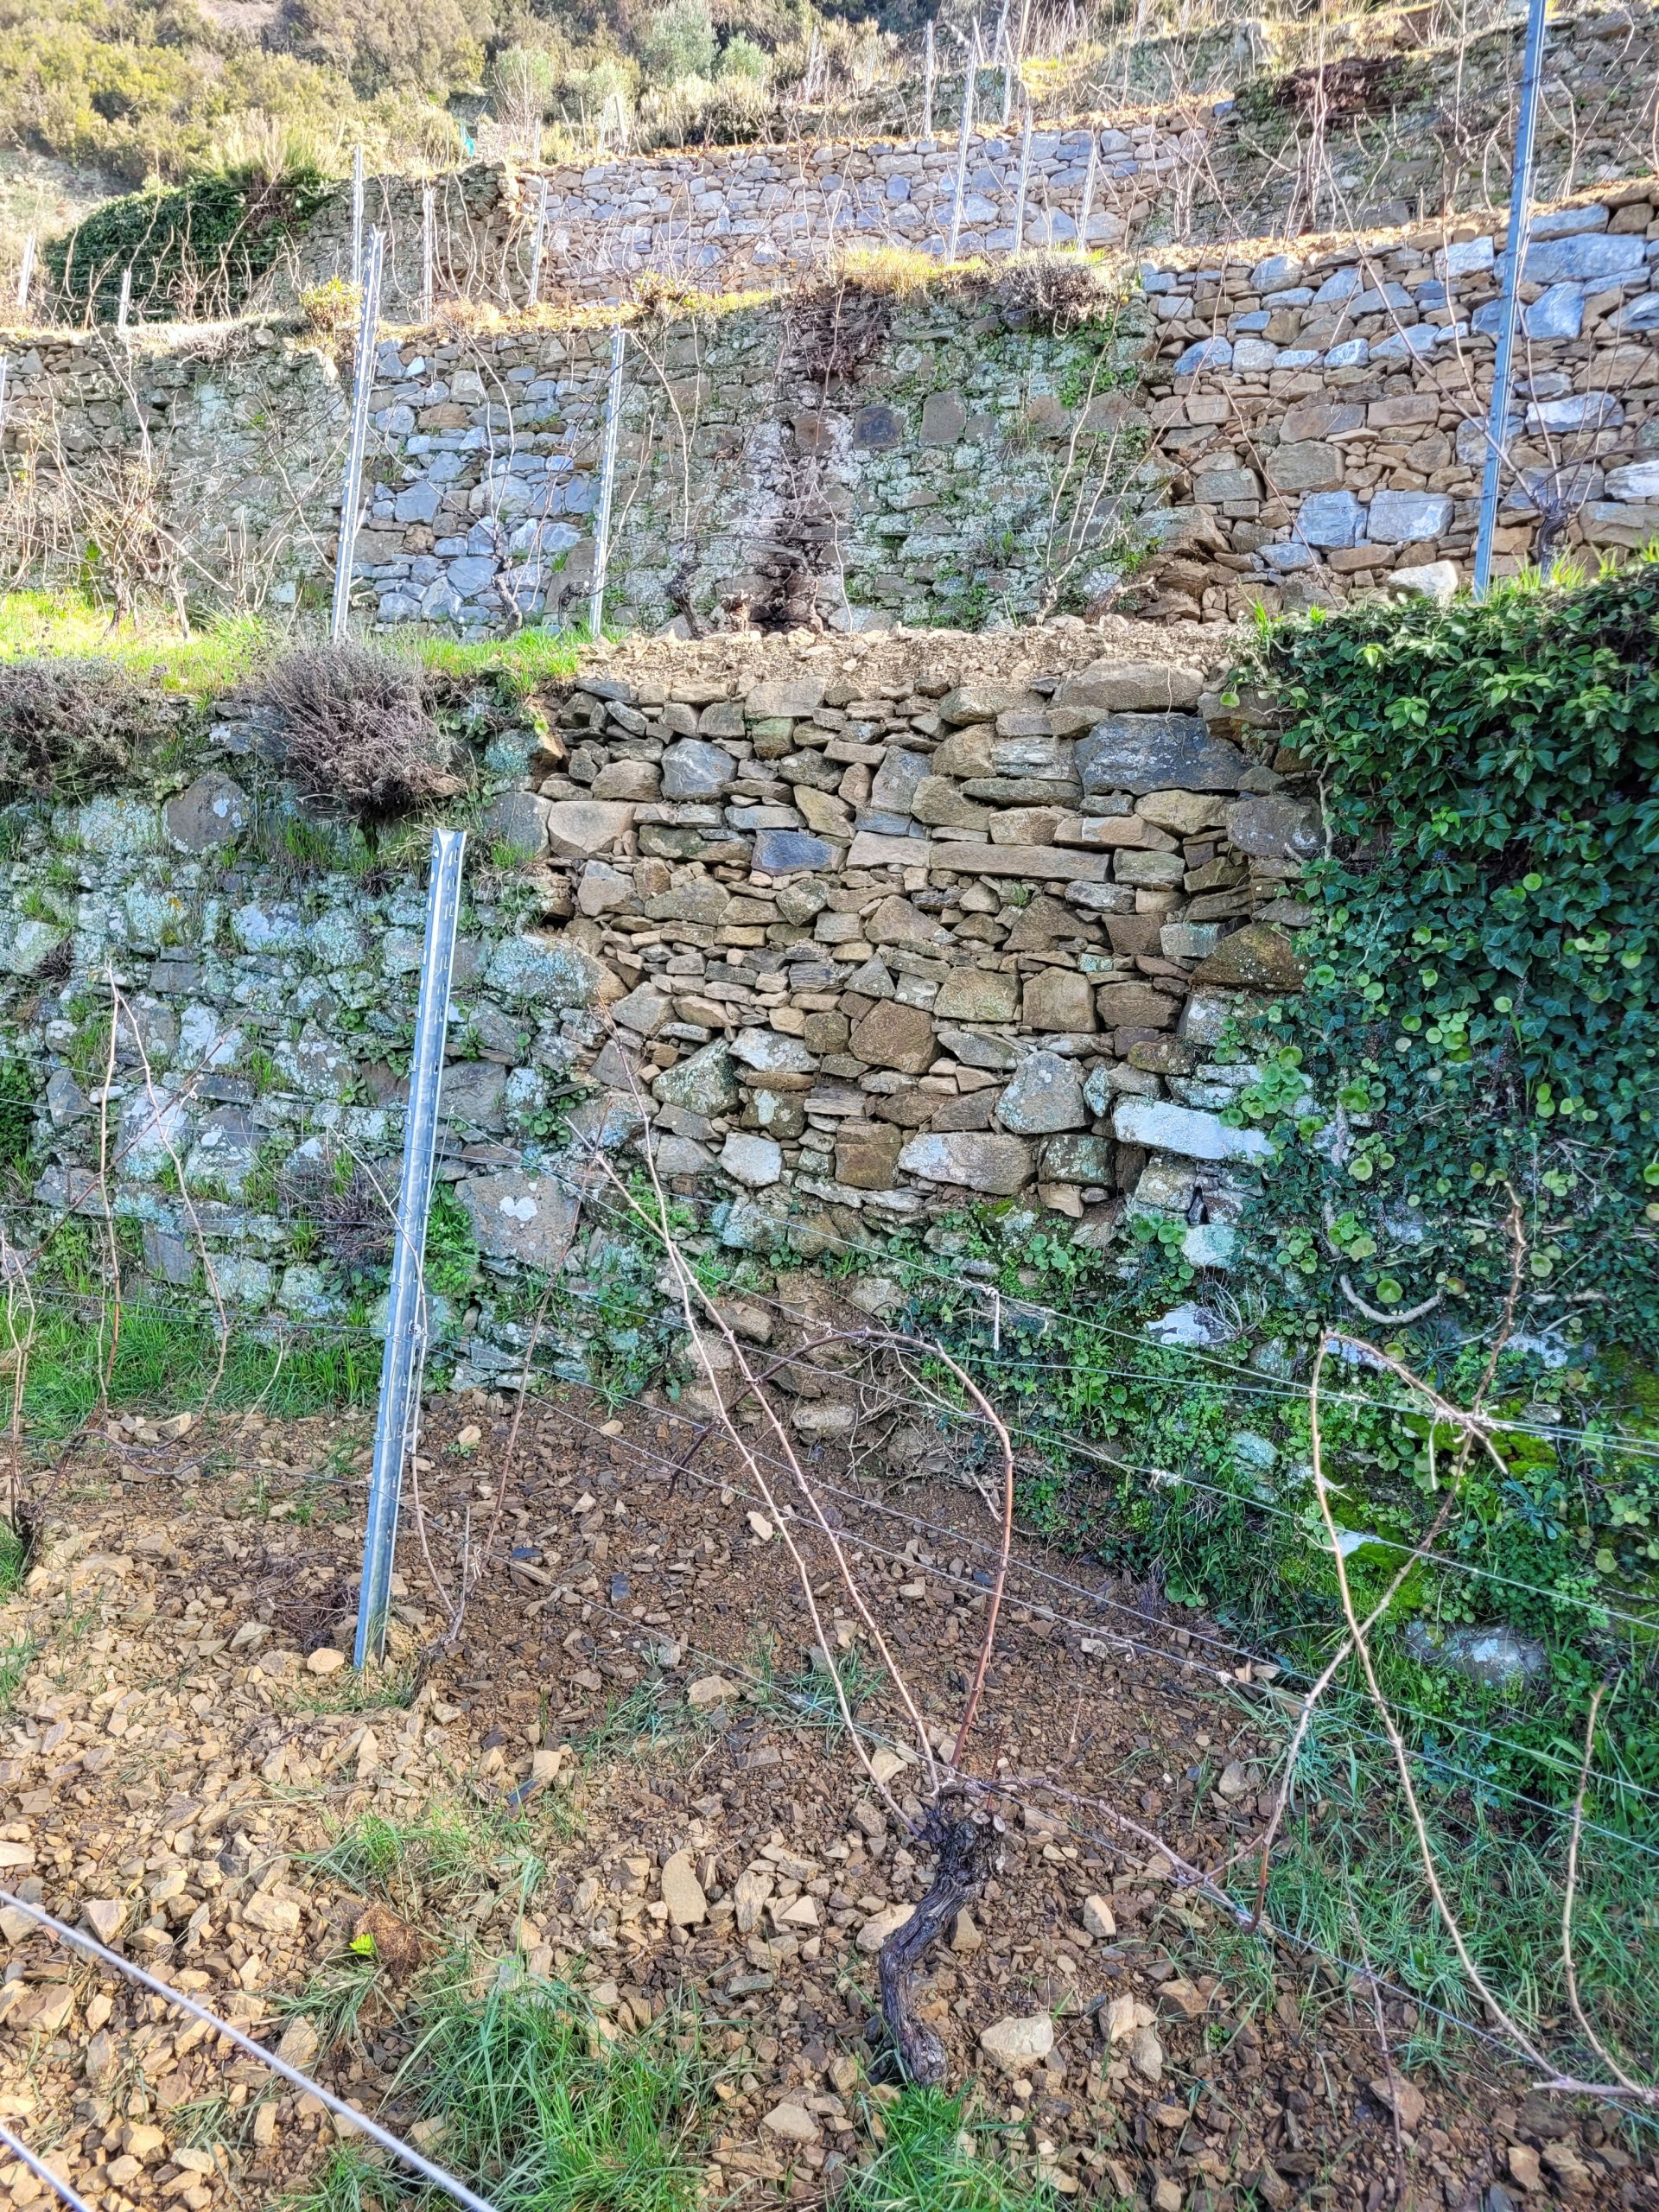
x=633, y=1664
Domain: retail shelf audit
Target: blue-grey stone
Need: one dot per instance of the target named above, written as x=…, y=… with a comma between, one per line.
x=1285, y=559
x=1328, y=519
x=1403, y=518
x=1578, y=410
x=1341, y=286
x=694, y=769
x=1205, y=353
x=1585, y=256
x=472, y=574
x=1414, y=343
x=1467, y=259
x=1565, y=222
x=1157, y=752
x=1641, y=314
x=1274, y=274
x=417, y=502
x=1351, y=354
x=792, y=852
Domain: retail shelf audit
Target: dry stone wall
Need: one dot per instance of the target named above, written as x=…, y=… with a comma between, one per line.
x=1321, y=413
x=724, y=217
x=870, y=930
x=1271, y=425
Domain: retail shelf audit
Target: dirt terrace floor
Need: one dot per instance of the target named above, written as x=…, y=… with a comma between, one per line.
x=634, y=1663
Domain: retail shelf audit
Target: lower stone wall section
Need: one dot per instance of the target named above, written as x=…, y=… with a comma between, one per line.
x=871, y=929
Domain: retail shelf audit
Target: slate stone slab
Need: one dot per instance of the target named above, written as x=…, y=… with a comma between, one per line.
x=1155, y=753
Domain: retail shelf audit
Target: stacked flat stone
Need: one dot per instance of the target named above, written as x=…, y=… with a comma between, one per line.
x=878, y=953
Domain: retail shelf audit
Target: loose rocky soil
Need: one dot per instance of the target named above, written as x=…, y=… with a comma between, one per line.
x=186, y=1731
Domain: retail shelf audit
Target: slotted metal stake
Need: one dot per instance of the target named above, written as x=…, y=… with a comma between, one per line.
x=406, y=1307
x=1090, y=176
x=429, y=226
x=1508, y=308
x=357, y=215
x=961, y=190
x=607, y=484
x=351, y=489
x=123, y=306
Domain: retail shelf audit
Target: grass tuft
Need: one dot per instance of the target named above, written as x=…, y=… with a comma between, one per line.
x=931, y=2161
x=543, y=2109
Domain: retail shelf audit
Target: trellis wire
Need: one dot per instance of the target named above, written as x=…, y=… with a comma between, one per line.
x=352, y=487
x=359, y=2121
x=41, y=2172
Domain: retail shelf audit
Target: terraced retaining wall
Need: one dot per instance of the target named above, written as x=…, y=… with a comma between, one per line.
x=1277, y=425
x=869, y=935
x=1432, y=134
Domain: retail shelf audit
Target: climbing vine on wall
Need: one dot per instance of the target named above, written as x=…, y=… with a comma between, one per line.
x=1480, y=1009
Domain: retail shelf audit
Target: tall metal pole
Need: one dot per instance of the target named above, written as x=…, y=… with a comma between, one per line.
x=1090, y=176
x=406, y=1309
x=5, y=371
x=1003, y=51
x=26, y=274
x=352, y=487
x=357, y=215
x=1508, y=309
x=606, y=483
x=929, y=64
x=1024, y=187
x=538, y=237
x=959, y=192
x=123, y=305
x=429, y=226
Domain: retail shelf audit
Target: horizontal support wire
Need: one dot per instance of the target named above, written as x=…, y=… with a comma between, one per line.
x=1273, y=1936
x=60, y=2188
x=1432, y=1760
x=381, y=2136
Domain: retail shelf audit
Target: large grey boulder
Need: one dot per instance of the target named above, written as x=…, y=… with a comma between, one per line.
x=1156, y=752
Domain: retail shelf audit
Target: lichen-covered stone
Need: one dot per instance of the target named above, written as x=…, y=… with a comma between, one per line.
x=213, y=811
x=549, y=970
x=998, y=1166
x=1045, y=1094
x=529, y=1218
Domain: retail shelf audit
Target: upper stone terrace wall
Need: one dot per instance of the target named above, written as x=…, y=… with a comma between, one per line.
x=727, y=218
x=1280, y=427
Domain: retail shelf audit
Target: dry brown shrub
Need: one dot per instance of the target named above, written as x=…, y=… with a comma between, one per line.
x=358, y=731
x=69, y=728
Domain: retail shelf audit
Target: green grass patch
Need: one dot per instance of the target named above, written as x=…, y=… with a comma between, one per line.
x=223, y=652
x=16, y=1660
x=72, y=626
x=934, y=2160
x=542, y=2111
x=165, y=1361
